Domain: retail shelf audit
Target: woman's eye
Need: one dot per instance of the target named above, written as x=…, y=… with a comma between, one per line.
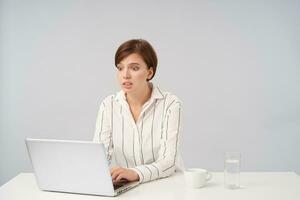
x=135, y=68
x=119, y=68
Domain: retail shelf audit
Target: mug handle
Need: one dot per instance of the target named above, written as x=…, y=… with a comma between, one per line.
x=209, y=176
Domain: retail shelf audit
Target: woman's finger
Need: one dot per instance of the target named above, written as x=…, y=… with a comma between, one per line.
x=113, y=169
x=121, y=176
x=116, y=173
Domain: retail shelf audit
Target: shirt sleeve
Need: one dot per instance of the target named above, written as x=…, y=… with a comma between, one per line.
x=165, y=164
x=103, y=130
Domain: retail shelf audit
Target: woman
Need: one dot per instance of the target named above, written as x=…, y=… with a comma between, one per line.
x=140, y=125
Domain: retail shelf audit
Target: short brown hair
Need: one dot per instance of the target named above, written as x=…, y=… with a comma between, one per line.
x=138, y=46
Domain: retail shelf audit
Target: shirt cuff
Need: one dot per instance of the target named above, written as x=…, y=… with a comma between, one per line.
x=146, y=173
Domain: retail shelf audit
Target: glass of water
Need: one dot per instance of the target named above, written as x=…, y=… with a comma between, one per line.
x=232, y=170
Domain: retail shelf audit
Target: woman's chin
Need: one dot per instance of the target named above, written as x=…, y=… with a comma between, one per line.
x=127, y=89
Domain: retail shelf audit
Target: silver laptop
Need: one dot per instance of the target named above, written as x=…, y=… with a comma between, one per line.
x=73, y=167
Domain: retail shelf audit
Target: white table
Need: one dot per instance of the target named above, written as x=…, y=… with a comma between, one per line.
x=256, y=186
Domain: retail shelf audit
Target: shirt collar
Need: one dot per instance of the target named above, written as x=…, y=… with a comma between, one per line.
x=156, y=93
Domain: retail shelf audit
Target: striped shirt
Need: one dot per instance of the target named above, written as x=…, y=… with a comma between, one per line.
x=151, y=145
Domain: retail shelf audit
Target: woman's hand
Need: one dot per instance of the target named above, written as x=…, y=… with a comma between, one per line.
x=119, y=173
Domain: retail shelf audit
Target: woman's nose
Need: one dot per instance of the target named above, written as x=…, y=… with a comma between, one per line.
x=126, y=73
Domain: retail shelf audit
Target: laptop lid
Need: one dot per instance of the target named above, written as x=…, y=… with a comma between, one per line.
x=70, y=166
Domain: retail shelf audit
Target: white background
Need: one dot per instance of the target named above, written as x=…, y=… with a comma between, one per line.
x=234, y=64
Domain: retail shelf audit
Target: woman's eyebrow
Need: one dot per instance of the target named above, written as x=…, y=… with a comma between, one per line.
x=133, y=63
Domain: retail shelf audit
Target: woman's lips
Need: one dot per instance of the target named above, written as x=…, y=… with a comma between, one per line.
x=127, y=85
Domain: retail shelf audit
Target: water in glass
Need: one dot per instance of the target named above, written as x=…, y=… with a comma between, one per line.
x=232, y=172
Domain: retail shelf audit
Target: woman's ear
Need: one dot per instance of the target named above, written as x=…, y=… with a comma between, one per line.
x=150, y=73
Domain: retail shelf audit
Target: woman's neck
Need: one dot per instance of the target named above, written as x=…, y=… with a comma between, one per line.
x=140, y=97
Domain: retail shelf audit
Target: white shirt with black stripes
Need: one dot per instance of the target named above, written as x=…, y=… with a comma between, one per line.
x=151, y=145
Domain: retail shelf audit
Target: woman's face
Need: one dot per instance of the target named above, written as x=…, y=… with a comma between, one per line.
x=133, y=74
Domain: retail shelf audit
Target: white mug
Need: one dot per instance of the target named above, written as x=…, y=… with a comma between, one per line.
x=196, y=177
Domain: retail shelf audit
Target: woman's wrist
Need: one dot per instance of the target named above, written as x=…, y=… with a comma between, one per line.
x=135, y=173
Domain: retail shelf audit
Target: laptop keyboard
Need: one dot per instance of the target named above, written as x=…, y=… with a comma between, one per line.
x=119, y=184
